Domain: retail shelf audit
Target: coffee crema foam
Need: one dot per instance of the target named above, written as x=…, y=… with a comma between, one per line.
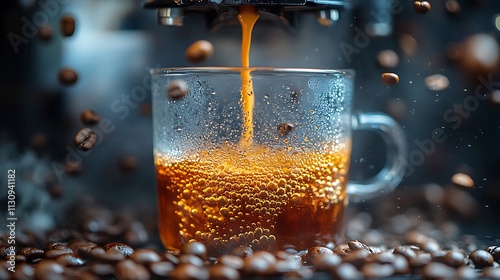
x=261, y=197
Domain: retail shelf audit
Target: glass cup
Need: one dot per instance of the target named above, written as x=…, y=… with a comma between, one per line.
x=260, y=156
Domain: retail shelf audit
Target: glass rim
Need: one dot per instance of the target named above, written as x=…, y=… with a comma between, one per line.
x=224, y=69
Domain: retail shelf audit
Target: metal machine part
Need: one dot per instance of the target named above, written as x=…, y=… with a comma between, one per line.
x=221, y=12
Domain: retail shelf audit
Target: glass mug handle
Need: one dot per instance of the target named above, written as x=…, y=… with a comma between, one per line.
x=393, y=171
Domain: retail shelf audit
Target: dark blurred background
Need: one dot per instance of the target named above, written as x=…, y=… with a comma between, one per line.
x=116, y=42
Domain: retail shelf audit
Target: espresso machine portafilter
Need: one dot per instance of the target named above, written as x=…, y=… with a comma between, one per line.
x=219, y=12
x=286, y=12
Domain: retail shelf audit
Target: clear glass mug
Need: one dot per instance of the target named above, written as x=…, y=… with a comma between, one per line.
x=287, y=183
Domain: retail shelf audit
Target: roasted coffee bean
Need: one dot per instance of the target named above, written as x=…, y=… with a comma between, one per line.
x=415, y=237
x=23, y=271
x=231, y=261
x=55, y=191
x=199, y=51
x=145, y=109
x=136, y=234
x=453, y=7
x=67, y=25
x=284, y=266
x=89, y=117
x=260, y=263
x=67, y=76
x=437, y=82
x=342, y=250
x=4, y=273
x=120, y=248
x=54, y=253
x=108, y=257
x=390, y=79
x=454, y=259
x=127, y=269
x=481, y=258
x=265, y=255
x=408, y=44
x=89, y=250
x=48, y=269
x=32, y=253
x=420, y=260
x=223, y=272
x=128, y=163
x=462, y=180
x=438, y=256
x=495, y=97
x=190, y=259
x=285, y=128
x=85, y=275
x=177, y=89
x=161, y=269
x=85, y=139
x=430, y=246
x=242, y=251
x=45, y=32
x=145, y=256
x=4, y=250
x=73, y=169
x=346, y=271
x=72, y=260
x=326, y=262
x=194, y=248
x=474, y=49
x=171, y=257
x=381, y=258
x=20, y=258
x=356, y=245
x=375, y=270
x=466, y=272
x=38, y=141
x=401, y=265
x=421, y=7
x=438, y=271
x=76, y=244
x=56, y=246
x=357, y=258
x=102, y=269
x=388, y=59
x=189, y=272
x=315, y=252
x=491, y=272
x=99, y=254
x=495, y=252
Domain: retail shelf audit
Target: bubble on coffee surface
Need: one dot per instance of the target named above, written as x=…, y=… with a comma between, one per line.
x=228, y=197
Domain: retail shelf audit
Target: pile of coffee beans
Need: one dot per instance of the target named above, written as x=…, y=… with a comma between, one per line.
x=79, y=258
